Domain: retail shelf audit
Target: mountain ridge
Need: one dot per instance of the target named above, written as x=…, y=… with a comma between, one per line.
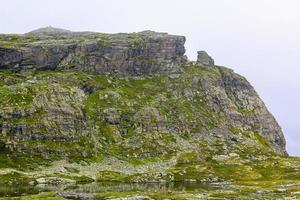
x=129, y=108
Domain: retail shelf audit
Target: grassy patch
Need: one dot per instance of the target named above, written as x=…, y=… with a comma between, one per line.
x=111, y=176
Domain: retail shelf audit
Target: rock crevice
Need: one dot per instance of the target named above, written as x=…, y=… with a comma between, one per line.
x=134, y=54
x=134, y=114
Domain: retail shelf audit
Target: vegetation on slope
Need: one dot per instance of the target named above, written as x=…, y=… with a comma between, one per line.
x=114, y=127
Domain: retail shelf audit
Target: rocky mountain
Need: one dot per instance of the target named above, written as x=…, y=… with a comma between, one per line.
x=127, y=107
x=141, y=53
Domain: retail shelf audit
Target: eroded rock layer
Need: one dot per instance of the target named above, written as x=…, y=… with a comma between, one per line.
x=131, y=101
x=134, y=54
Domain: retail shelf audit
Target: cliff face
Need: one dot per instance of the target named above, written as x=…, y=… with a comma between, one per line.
x=134, y=54
x=145, y=102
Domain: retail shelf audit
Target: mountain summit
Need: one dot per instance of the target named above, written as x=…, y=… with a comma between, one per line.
x=49, y=30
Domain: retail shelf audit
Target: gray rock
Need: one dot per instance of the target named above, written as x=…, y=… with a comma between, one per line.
x=134, y=54
x=187, y=108
x=54, y=181
x=80, y=196
x=240, y=91
x=112, y=115
x=204, y=59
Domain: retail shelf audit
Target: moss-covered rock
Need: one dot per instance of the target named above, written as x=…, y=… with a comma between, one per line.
x=158, y=119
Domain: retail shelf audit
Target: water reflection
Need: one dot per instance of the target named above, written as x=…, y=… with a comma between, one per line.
x=101, y=187
x=121, y=187
x=9, y=191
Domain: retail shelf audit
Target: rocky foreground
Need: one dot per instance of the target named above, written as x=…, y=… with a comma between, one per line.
x=82, y=107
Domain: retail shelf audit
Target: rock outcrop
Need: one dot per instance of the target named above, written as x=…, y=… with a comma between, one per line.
x=134, y=54
x=204, y=59
x=111, y=99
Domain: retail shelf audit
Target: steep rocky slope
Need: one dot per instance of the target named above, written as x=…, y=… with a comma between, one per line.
x=134, y=54
x=128, y=107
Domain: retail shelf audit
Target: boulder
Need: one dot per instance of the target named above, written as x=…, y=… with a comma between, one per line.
x=205, y=60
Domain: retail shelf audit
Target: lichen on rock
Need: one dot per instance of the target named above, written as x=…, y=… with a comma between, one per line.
x=129, y=107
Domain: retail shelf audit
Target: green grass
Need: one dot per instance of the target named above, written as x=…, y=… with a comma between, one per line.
x=152, y=114
x=14, y=179
x=111, y=176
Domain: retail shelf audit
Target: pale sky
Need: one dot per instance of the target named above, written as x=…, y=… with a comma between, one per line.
x=259, y=39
